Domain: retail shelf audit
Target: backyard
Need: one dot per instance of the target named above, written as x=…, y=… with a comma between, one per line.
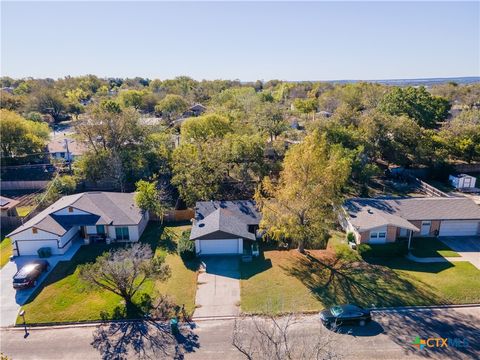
x=64, y=297
x=5, y=251
x=285, y=281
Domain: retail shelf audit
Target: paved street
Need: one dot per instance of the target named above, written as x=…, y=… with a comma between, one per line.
x=388, y=337
x=218, y=292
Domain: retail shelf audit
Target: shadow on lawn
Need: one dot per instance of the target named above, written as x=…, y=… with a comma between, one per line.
x=334, y=281
x=259, y=264
x=144, y=339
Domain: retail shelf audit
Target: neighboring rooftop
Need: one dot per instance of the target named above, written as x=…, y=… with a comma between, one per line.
x=7, y=203
x=106, y=208
x=231, y=217
x=366, y=214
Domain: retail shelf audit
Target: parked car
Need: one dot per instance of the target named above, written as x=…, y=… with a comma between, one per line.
x=345, y=314
x=29, y=273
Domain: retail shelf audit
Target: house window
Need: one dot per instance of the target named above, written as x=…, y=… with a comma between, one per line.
x=373, y=235
x=34, y=230
x=121, y=233
x=70, y=209
x=101, y=229
x=382, y=235
x=62, y=155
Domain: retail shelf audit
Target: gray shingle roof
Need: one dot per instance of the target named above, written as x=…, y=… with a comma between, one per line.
x=108, y=208
x=366, y=214
x=231, y=217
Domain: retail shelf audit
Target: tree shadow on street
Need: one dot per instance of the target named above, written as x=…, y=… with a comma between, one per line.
x=335, y=281
x=143, y=339
x=460, y=328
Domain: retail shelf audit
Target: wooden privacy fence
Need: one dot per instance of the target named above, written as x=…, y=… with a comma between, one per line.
x=462, y=168
x=24, y=185
x=429, y=189
x=10, y=222
x=175, y=215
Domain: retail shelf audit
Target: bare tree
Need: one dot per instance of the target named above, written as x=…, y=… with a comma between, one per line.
x=282, y=338
x=124, y=271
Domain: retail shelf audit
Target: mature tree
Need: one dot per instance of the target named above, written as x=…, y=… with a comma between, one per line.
x=172, y=106
x=125, y=271
x=302, y=206
x=59, y=186
x=132, y=98
x=149, y=198
x=21, y=136
x=270, y=119
x=205, y=127
x=198, y=171
x=10, y=102
x=47, y=100
x=462, y=136
x=416, y=103
x=305, y=106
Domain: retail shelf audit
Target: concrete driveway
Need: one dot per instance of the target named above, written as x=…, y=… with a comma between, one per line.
x=467, y=247
x=11, y=300
x=218, y=292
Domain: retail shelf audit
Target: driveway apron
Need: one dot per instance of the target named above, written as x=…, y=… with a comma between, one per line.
x=218, y=292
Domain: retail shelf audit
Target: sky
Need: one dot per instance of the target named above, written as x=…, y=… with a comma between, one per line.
x=241, y=40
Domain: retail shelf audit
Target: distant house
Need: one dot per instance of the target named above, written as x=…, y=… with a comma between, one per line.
x=8, y=206
x=195, y=110
x=225, y=227
x=88, y=217
x=65, y=148
x=386, y=220
x=462, y=181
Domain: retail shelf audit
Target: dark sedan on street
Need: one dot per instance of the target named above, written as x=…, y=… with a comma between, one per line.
x=345, y=314
x=27, y=276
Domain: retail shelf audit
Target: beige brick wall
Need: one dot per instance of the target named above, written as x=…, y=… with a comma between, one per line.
x=391, y=233
x=364, y=236
x=434, y=227
x=418, y=224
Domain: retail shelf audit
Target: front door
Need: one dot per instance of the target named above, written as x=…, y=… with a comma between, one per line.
x=425, y=230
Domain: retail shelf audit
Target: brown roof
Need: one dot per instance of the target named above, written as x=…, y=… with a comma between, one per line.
x=370, y=213
x=75, y=147
x=108, y=208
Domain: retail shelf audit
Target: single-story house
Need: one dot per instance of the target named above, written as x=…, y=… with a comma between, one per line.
x=194, y=110
x=385, y=220
x=462, y=181
x=65, y=148
x=225, y=227
x=8, y=206
x=92, y=216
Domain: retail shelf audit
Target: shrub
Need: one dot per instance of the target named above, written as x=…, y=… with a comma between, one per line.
x=395, y=249
x=351, y=237
x=186, y=247
x=44, y=252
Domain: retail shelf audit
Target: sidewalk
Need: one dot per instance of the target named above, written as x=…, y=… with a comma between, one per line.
x=434, y=259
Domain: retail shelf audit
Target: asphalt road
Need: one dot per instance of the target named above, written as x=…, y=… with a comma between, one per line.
x=389, y=336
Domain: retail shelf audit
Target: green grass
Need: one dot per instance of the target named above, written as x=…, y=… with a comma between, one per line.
x=5, y=251
x=285, y=281
x=23, y=211
x=65, y=297
x=431, y=247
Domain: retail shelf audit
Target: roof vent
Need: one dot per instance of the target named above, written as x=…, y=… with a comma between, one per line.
x=201, y=225
x=370, y=211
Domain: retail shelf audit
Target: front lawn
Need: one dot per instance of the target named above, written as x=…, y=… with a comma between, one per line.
x=285, y=281
x=65, y=297
x=5, y=251
x=431, y=247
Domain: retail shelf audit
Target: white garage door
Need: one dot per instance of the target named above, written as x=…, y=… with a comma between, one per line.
x=459, y=227
x=29, y=247
x=225, y=246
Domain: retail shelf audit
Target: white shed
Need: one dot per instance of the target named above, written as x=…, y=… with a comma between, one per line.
x=462, y=181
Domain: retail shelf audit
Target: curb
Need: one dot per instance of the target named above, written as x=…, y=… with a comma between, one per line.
x=217, y=318
x=424, y=307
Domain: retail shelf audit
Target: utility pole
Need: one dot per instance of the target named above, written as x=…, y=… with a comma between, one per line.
x=68, y=156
